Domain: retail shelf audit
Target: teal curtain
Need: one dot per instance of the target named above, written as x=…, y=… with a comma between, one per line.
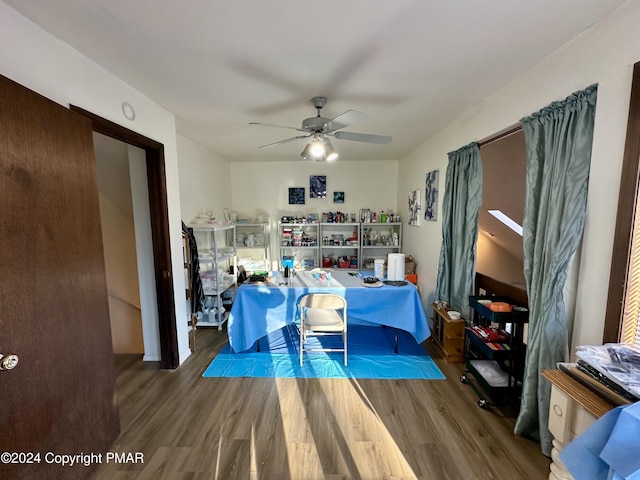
x=558, y=141
x=460, y=206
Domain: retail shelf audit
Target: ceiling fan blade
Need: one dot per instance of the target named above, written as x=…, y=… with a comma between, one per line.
x=363, y=137
x=344, y=120
x=276, y=126
x=284, y=141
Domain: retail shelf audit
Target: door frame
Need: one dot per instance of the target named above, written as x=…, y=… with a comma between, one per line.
x=629, y=184
x=156, y=180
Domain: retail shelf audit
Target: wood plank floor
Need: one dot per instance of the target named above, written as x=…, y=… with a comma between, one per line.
x=189, y=427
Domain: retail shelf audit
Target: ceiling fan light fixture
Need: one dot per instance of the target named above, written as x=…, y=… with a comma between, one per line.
x=329, y=151
x=317, y=147
x=306, y=153
x=320, y=126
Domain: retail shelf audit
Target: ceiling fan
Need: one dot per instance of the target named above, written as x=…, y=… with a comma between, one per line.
x=318, y=127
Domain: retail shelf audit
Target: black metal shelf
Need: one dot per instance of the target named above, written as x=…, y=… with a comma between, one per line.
x=514, y=316
x=503, y=360
x=485, y=347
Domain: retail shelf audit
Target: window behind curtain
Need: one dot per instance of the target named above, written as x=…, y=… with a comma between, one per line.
x=630, y=328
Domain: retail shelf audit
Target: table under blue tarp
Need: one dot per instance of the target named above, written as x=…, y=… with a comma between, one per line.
x=259, y=309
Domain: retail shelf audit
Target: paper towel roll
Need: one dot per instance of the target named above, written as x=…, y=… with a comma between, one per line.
x=378, y=268
x=395, y=266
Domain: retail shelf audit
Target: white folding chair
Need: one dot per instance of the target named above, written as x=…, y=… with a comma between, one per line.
x=322, y=314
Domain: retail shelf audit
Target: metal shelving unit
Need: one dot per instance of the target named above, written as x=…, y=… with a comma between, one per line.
x=253, y=246
x=217, y=257
x=379, y=240
x=340, y=245
x=495, y=369
x=300, y=240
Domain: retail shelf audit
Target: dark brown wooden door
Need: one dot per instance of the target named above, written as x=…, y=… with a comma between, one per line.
x=54, y=315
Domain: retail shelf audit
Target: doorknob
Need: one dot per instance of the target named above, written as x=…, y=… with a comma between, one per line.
x=8, y=362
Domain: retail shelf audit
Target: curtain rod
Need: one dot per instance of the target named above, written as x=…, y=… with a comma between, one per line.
x=501, y=135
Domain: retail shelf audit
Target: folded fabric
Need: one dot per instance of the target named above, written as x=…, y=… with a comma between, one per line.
x=607, y=450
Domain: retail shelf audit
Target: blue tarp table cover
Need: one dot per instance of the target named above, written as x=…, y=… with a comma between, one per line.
x=261, y=309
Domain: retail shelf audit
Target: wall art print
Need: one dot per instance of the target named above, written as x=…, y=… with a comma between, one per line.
x=338, y=197
x=431, y=195
x=296, y=196
x=415, y=213
x=318, y=186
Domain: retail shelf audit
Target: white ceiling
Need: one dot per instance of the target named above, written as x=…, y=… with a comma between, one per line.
x=412, y=66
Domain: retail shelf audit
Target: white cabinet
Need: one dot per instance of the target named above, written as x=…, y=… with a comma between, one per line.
x=340, y=246
x=299, y=240
x=567, y=420
x=253, y=246
x=572, y=409
x=217, y=257
x=379, y=240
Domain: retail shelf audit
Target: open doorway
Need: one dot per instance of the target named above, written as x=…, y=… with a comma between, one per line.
x=499, y=248
x=118, y=222
x=162, y=281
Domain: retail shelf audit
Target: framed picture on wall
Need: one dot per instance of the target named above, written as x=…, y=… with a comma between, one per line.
x=431, y=196
x=414, y=208
x=318, y=186
x=296, y=196
x=338, y=197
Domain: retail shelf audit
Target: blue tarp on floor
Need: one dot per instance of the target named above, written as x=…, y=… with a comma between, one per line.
x=370, y=355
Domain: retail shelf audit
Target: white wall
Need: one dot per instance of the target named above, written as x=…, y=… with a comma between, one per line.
x=494, y=261
x=52, y=68
x=205, y=181
x=118, y=239
x=604, y=55
x=265, y=186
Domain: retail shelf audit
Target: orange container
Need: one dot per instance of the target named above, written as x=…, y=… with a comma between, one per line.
x=499, y=307
x=413, y=278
